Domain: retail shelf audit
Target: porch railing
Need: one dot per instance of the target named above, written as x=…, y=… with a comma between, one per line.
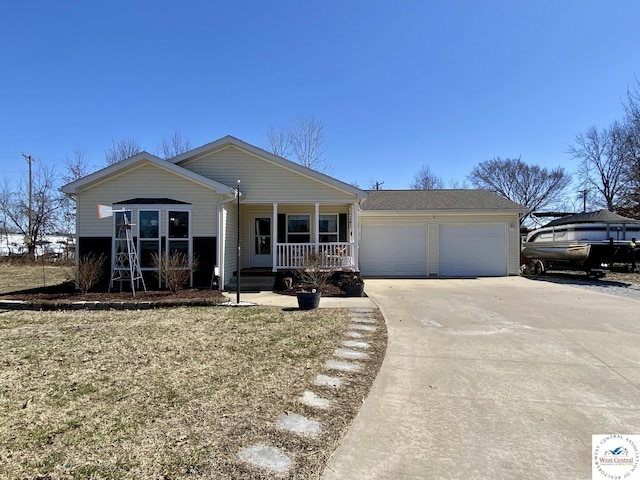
x=334, y=255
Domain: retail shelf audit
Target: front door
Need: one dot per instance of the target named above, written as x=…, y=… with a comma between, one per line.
x=261, y=255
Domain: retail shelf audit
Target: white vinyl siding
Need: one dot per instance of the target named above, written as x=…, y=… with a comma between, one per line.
x=148, y=181
x=263, y=181
x=230, y=236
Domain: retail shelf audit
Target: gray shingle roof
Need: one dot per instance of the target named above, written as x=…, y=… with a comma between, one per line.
x=421, y=200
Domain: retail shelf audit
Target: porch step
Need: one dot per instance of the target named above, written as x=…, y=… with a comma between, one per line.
x=251, y=283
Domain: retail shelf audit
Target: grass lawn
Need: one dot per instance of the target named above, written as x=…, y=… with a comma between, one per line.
x=21, y=276
x=171, y=393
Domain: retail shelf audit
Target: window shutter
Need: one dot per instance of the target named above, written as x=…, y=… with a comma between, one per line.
x=282, y=228
x=342, y=227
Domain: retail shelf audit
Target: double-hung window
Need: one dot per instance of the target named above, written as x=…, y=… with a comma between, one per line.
x=298, y=229
x=178, y=232
x=328, y=226
x=148, y=237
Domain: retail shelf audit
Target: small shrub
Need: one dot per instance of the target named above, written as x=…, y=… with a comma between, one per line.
x=314, y=274
x=90, y=271
x=175, y=271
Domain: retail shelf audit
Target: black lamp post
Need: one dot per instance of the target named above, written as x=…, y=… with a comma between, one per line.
x=238, y=259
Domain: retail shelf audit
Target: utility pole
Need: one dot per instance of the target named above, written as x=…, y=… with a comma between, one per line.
x=584, y=199
x=30, y=160
x=378, y=185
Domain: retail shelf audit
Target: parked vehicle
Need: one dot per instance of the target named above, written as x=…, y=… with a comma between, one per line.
x=591, y=242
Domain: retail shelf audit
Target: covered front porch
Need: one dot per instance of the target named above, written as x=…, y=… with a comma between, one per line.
x=283, y=237
x=277, y=237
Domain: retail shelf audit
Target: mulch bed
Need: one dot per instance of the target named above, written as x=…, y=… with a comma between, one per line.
x=66, y=293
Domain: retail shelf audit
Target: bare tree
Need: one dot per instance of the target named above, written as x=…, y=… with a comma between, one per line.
x=35, y=222
x=125, y=148
x=602, y=156
x=174, y=145
x=77, y=166
x=425, y=179
x=630, y=201
x=303, y=142
x=455, y=184
x=307, y=142
x=279, y=141
x=529, y=185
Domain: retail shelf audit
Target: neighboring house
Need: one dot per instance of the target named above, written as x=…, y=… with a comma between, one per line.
x=189, y=204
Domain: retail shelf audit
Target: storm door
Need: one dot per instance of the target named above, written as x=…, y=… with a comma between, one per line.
x=261, y=254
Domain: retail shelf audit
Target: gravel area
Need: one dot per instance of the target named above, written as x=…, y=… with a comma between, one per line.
x=623, y=284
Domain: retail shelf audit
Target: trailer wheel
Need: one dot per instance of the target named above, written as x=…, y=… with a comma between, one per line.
x=596, y=274
x=536, y=266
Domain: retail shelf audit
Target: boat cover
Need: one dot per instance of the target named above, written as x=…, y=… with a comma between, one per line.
x=600, y=216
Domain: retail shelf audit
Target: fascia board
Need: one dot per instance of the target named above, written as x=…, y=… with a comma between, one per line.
x=138, y=161
x=437, y=213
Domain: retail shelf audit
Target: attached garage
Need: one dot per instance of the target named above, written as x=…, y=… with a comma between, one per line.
x=439, y=233
x=384, y=250
x=473, y=250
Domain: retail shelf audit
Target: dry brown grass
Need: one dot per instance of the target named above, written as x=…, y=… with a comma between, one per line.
x=167, y=393
x=21, y=276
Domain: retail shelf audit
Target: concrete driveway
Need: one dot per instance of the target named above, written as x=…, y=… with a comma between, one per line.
x=494, y=378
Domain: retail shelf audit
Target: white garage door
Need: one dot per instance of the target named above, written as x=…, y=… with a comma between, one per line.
x=388, y=250
x=473, y=250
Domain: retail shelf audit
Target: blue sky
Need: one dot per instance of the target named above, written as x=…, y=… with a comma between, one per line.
x=395, y=84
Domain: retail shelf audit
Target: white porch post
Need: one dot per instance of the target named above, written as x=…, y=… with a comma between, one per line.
x=316, y=235
x=274, y=239
x=354, y=228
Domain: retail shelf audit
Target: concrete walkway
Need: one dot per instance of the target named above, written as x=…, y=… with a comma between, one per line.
x=494, y=378
x=290, y=301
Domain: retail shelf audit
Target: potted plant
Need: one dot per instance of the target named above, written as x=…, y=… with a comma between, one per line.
x=352, y=284
x=313, y=276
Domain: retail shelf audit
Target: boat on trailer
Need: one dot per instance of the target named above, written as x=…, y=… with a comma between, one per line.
x=590, y=241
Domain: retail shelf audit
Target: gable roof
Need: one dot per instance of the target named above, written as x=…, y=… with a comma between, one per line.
x=229, y=140
x=430, y=200
x=600, y=216
x=140, y=158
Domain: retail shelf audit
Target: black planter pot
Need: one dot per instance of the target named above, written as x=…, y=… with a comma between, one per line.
x=354, y=290
x=308, y=300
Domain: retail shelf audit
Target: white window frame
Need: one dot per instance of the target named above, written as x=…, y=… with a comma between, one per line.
x=187, y=239
x=336, y=233
x=308, y=233
x=141, y=240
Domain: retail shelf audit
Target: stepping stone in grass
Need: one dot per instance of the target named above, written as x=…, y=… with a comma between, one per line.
x=342, y=366
x=312, y=400
x=298, y=424
x=327, y=381
x=270, y=458
x=350, y=354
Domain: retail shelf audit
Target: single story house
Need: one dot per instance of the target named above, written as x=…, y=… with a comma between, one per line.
x=190, y=204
